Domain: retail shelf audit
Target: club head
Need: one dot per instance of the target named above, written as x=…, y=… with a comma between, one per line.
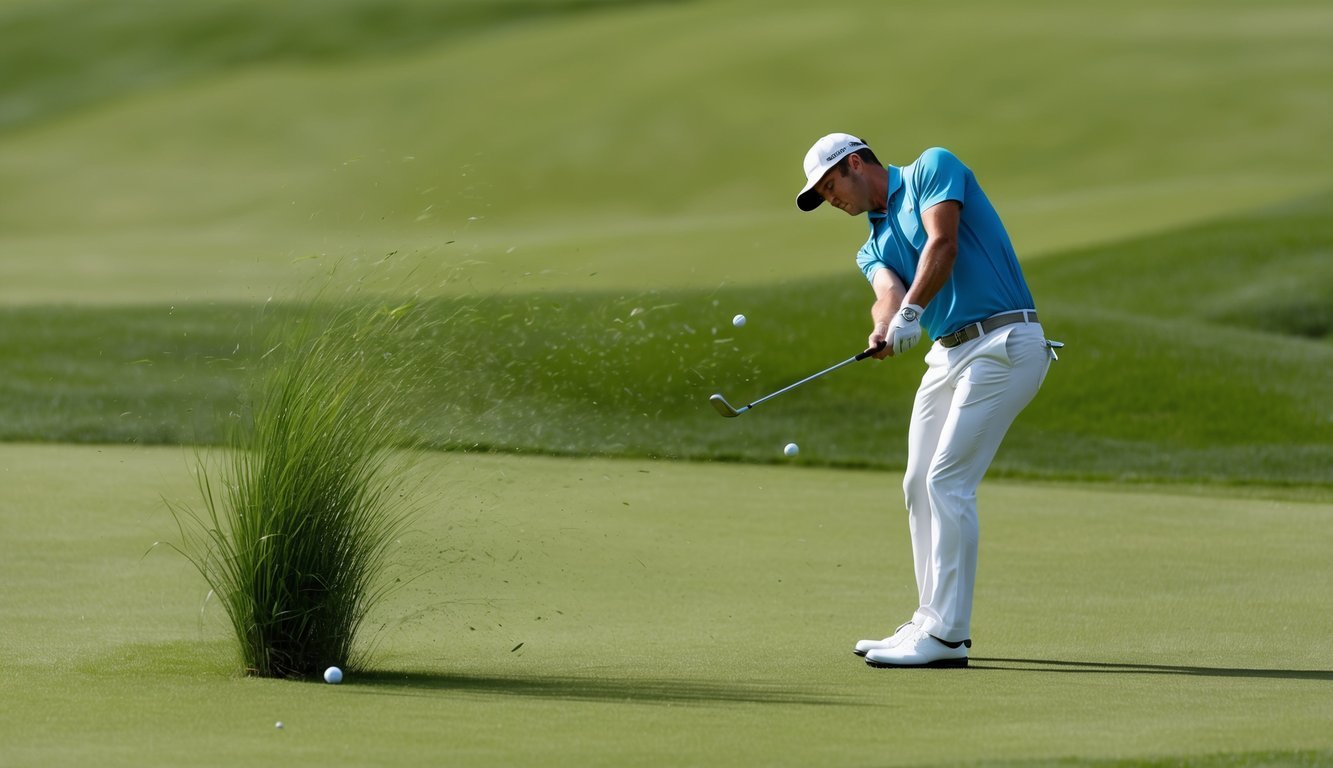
x=723, y=407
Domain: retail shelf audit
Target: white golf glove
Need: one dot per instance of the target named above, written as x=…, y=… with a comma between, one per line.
x=905, y=329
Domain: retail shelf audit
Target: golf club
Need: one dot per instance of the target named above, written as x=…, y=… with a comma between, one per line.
x=723, y=407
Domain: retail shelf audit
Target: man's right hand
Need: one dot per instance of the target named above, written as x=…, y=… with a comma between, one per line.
x=879, y=341
x=889, y=294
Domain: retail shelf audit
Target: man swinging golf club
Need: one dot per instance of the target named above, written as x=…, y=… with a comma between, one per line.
x=939, y=260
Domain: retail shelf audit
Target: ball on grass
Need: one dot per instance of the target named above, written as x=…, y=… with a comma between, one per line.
x=333, y=675
x=738, y=321
x=791, y=449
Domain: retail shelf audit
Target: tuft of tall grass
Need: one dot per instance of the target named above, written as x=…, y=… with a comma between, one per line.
x=301, y=514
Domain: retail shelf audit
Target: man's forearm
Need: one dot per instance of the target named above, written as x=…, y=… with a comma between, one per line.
x=933, y=272
x=884, y=308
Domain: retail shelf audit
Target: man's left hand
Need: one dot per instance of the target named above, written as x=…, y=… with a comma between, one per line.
x=905, y=329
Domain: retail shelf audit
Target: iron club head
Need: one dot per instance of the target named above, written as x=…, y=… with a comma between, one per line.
x=723, y=407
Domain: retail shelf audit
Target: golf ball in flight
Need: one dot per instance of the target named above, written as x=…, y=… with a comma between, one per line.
x=738, y=321
x=791, y=449
x=333, y=675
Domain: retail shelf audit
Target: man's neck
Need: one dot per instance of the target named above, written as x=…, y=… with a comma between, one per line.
x=879, y=189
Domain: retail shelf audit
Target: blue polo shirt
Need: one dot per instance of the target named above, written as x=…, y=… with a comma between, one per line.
x=986, y=278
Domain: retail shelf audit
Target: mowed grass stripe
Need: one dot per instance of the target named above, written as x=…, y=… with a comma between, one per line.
x=115, y=53
x=314, y=136
x=1201, y=355
x=674, y=614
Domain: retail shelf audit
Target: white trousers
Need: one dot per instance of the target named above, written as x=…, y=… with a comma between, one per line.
x=968, y=397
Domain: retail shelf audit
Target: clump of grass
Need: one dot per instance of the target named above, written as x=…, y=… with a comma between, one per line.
x=302, y=512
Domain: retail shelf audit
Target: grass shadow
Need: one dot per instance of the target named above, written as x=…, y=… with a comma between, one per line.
x=590, y=689
x=1099, y=667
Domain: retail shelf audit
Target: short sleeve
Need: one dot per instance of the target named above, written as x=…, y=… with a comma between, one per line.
x=868, y=262
x=940, y=176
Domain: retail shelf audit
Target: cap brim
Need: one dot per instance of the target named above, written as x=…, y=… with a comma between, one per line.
x=809, y=199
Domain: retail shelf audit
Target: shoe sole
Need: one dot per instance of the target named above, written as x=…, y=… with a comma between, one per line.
x=966, y=644
x=939, y=664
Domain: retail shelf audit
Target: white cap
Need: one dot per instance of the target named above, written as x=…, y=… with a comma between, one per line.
x=822, y=156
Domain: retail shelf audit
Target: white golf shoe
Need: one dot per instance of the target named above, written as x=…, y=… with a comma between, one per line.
x=901, y=633
x=920, y=649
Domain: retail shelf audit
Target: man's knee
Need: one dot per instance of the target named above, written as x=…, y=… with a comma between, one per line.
x=916, y=491
x=947, y=485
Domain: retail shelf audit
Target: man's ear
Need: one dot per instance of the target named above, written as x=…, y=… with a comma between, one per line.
x=854, y=163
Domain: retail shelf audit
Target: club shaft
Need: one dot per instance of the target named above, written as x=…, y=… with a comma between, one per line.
x=811, y=377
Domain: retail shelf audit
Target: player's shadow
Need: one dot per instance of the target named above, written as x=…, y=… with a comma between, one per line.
x=1121, y=668
x=572, y=688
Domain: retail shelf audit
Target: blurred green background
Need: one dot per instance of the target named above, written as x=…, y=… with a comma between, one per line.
x=172, y=152
x=592, y=189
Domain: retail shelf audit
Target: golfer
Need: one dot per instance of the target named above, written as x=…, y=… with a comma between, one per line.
x=940, y=263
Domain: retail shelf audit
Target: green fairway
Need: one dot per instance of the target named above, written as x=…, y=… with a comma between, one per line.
x=214, y=151
x=576, y=196
x=667, y=628
x=1166, y=376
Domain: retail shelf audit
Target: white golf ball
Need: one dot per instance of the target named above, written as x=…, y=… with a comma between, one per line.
x=791, y=449
x=738, y=321
x=333, y=675
x=278, y=725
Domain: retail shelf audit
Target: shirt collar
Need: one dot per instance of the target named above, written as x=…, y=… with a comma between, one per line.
x=895, y=183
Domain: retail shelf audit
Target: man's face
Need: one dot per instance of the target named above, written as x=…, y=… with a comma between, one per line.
x=846, y=187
